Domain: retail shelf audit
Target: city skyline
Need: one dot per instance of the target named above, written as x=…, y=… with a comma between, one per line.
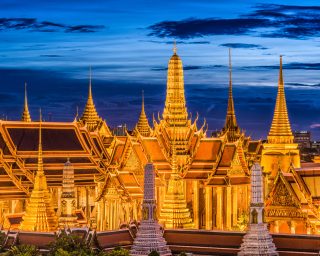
x=128, y=47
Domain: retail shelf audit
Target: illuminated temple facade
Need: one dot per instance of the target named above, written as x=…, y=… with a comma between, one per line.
x=202, y=181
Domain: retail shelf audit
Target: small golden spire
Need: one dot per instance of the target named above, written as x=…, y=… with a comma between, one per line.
x=25, y=114
x=143, y=123
x=174, y=47
x=90, y=115
x=280, y=131
x=231, y=127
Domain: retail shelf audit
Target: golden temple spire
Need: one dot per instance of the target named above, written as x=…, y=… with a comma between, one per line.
x=175, y=111
x=90, y=115
x=25, y=114
x=143, y=124
x=231, y=127
x=280, y=131
x=174, y=47
x=40, y=215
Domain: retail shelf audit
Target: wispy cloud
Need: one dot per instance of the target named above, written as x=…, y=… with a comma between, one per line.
x=32, y=24
x=244, y=46
x=267, y=20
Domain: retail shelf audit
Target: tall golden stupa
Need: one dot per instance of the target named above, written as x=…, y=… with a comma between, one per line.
x=40, y=214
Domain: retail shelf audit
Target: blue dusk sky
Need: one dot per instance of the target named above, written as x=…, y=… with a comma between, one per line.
x=51, y=44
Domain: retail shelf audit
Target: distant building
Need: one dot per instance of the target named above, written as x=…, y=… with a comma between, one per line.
x=120, y=130
x=303, y=138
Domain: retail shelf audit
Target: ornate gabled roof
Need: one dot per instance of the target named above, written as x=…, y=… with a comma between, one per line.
x=25, y=114
x=40, y=214
x=90, y=115
x=175, y=110
x=280, y=131
x=231, y=128
x=143, y=125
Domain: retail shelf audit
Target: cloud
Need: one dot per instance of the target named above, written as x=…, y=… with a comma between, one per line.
x=32, y=24
x=244, y=46
x=178, y=42
x=281, y=21
x=314, y=126
x=192, y=28
x=50, y=55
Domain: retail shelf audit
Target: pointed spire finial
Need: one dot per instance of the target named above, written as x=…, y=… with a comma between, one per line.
x=25, y=114
x=142, y=103
x=230, y=70
x=174, y=47
x=280, y=72
x=90, y=82
x=40, y=161
x=143, y=124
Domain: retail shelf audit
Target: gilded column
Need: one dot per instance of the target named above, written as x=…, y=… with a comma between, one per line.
x=195, y=185
x=219, y=207
x=228, y=208
x=208, y=208
x=234, y=205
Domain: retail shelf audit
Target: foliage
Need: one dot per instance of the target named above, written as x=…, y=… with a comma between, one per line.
x=69, y=245
x=23, y=250
x=154, y=253
x=2, y=239
x=182, y=254
x=118, y=251
x=243, y=221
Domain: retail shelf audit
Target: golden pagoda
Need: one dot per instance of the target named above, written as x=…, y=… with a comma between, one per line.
x=231, y=129
x=174, y=212
x=175, y=122
x=280, y=152
x=143, y=124
x=25, y=114
x=90, y=117
x=40, y=214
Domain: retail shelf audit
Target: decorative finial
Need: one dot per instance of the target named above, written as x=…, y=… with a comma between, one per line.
x=230, y=68
x=25, y=114
x=142, y=94
x=90, y=80
x=174, y=47
x=40, y=160
x=280, y=72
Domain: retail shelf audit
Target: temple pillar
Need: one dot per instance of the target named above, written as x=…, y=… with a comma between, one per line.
x=276, y=226
x=293, y=227
x=195, y=186
x=59, y=192
x=234, y=205
x=228, y=208
x=87, y=203
x=219, y=208
x=208, y=198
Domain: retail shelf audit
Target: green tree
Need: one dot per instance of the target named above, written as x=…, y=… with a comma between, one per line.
x=154, y=253
x=2, y=239
x=182, y=254
x=69, y=245
x=23, y=250
x=118, y=251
